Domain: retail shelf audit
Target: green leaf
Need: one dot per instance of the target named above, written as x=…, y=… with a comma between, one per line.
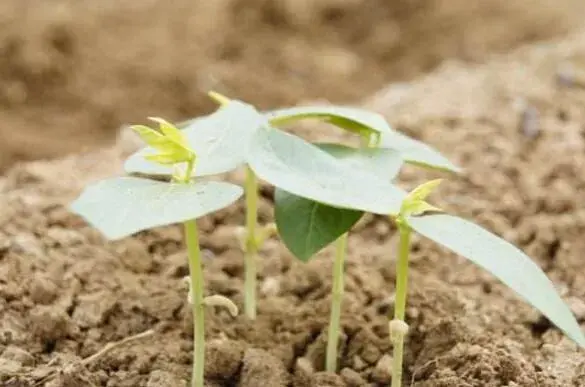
x=417, y=152
x=359, y=121
x=505, y=261
x=220, y=140
x=363, y=123
x=122, y=206
x=385, y=163
x=296, y=166
x=306, y=226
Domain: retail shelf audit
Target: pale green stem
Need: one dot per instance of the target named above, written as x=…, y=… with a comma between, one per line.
x=196, y=273
x=397, y=337
x=336, y=299
x=251, y=252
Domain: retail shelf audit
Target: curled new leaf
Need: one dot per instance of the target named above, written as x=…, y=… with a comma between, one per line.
x=170, y=143
x=221, y=141
x=505, y=261
x=415, y=204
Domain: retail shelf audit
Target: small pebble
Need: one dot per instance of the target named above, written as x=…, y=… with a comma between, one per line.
x=383, y=371
x=18, y=355
x=352, y=378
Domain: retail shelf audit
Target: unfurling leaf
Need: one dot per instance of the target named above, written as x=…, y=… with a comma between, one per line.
x=505, y=261
x=169, y=142
x=221, y=141
x=415, y=204
x=122, y=206
x=306, y=226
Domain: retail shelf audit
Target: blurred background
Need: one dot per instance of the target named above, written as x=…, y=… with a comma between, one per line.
x=72, y=72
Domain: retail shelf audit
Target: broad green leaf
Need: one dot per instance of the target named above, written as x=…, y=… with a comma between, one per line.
x=306, y=226
x=355, y=120
x=296, y=166
x=417, y=152
x=122, y=206
x=385, y=163
x=505, y=261
x=220, y=140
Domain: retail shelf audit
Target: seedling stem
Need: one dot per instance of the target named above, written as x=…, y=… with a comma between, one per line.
x=196, y=274
x=336, y=299
x=251, y=250
x=397, y=325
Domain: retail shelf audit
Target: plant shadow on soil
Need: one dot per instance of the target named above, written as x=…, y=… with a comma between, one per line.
x=65, y=292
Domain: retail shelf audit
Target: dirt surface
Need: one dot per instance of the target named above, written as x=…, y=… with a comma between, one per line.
x=72, y=72
x=514, y=123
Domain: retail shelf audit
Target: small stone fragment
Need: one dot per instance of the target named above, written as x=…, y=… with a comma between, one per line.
x=327, y=379
x=303, y=371
x=160, y=378
x=352, y=378
x=270, y=286
x=260, y=368
x=92, y=309
x=358, y=363
x=42, y=290
x=383, y=371
x=9, y=367
x=49, y=323
x=27, y=244
x=18, y=355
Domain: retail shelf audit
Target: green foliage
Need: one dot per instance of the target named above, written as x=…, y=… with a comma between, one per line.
x=306, y=226
x=504, y=261
x=298, y=167
x=221, y=141
x=365, y=123
x=416, y=152
x=122, y=206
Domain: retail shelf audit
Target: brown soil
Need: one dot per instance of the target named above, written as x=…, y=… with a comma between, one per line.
x=72, y=72
x=65, y=292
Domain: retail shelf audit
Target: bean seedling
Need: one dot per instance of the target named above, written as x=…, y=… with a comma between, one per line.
x=327, y=187
x=121, y=206
x=307, y=226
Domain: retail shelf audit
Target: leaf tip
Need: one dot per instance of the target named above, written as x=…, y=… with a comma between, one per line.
x=218, y=98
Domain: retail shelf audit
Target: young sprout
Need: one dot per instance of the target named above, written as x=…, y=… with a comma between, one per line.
x=122, y=206
x=328, y=222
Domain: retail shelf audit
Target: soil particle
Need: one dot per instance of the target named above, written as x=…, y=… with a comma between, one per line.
x=223, y=359
x=382, y=373
x=160, y=378
x=327, y=379
x=42, y=289
x=50, y=324
x=352, y=378
x=260, y=368
x=92, y=309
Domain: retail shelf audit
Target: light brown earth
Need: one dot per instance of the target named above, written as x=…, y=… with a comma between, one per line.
x=516, y=123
